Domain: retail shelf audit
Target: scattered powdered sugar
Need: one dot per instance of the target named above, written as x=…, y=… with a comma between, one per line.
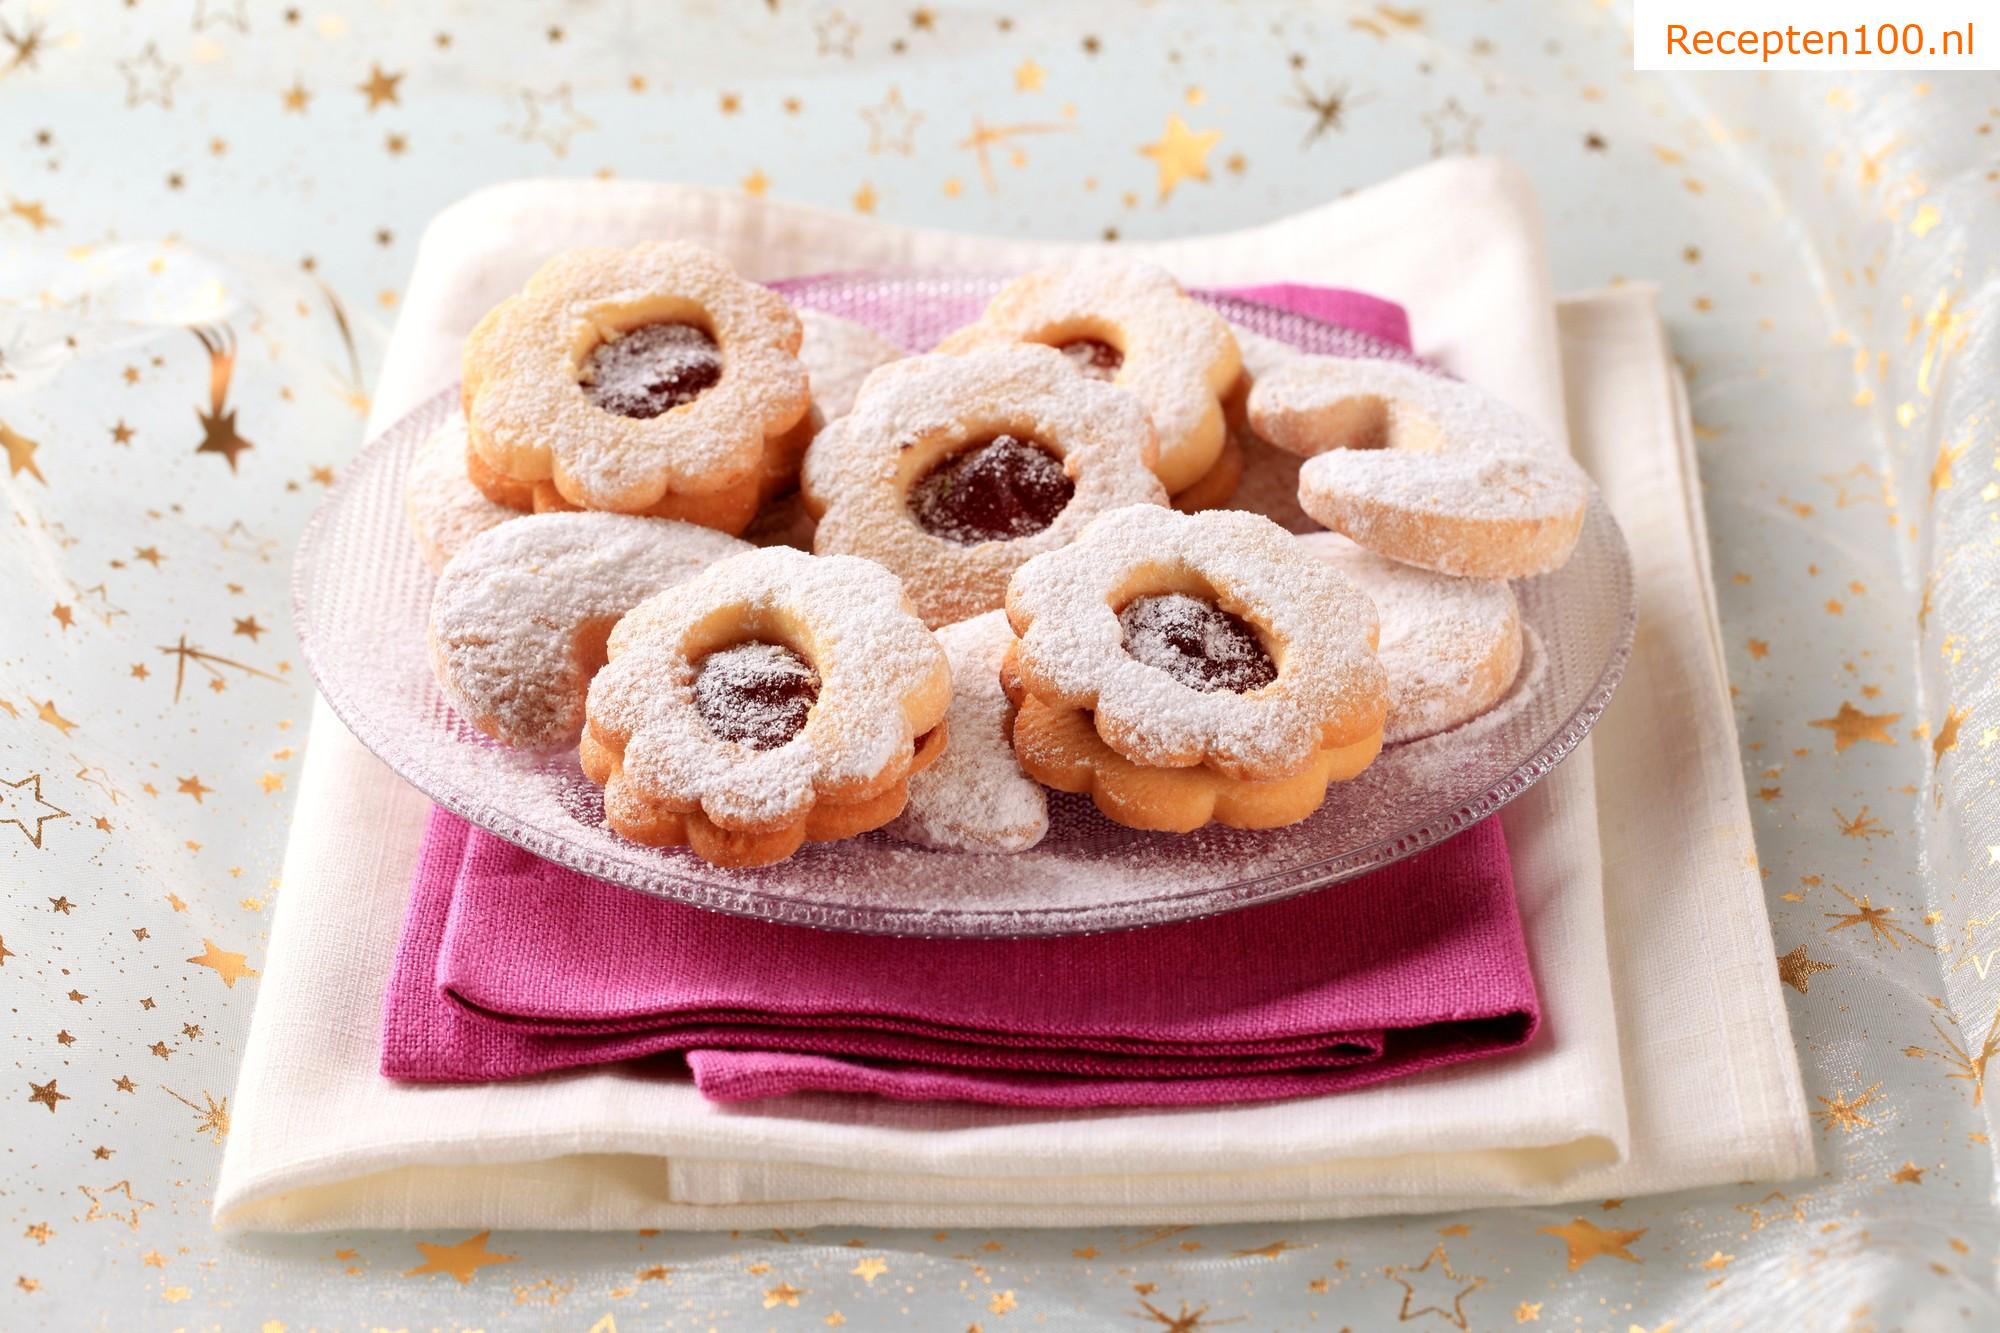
x=883, y=681
x=1001, y=490
x=519, y=616
x=1197, y=643
x=756, y=693
x=1177, y=354
x=445, y=509
x=838, y=355
x=531, y=419
x=651, y=369
x=975, y=797
x=1329, y=685
x=1451, y=646
x=1093, y=357
x=918, y=411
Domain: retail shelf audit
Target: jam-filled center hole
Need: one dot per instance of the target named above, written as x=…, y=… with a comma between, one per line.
x=1197, y=643
x=996, y=490
x=755, y=693
x=652, y=369
x=1092, y=357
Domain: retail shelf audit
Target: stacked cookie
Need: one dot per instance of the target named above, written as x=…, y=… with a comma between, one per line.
x=1021, y=577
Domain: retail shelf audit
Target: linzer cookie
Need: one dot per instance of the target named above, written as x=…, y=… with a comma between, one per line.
x=444, y=508
x=975, y=798
x=1423, y=469
x=520, y=615
x=1132, y=325
x=1187, y=668
x=775, y=698
x=953, y=471
x=647, y=381
x=1451, y=647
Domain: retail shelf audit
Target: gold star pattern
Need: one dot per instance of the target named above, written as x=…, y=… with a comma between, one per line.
x=45, y=711
x=783, y=1294
x=20, y=454
x=148, y=78
x=1528, y=1312
x=1851, y=726
x=1908, y=1174
x=249, y=628
x=1963, y=1064
x=1843, y=1113
x=550, y=119
x=1029, y=77
x=865, y=198
x=1947, y=735
x=1587, y=1241
x=1180, y=154
x=297, y=97
x=39, y=1232
x=1327, y=107
x=1453, y=1314
x=381, y=88
x=127, y=1212
x=22, y=805
x=34, y=214
x=870, y=1269
x=229, y=966
x=892, y=126
x=46, y=1094
x=756, y=183
x=461, y=1260
x=1880, y=921
x=192, y=786
x=1796, y=969
x=212, y=1119
x=983, y=139
x=1863, y=825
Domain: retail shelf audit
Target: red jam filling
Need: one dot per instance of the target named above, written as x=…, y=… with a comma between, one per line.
x=1093, y=357
x=1197, y=643
x=652, y=369
x=757, y=694
x=997, y=491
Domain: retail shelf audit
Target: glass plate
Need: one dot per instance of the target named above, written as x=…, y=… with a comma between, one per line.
x=361, y=596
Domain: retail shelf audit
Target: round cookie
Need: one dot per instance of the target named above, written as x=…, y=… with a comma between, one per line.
x=953, y=471
x=1451, y=647
x=1129, y=323
x=1183, y=668
x=975, y=798
x=444, y=508
x=624, y=377
x=1422, y=469
x=775, y=698
x=520, y=615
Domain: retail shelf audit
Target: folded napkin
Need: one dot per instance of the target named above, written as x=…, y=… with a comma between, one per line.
x=510, y=965
x=1669, y=1069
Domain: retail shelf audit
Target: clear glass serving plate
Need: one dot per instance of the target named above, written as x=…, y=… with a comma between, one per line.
x=361, y=597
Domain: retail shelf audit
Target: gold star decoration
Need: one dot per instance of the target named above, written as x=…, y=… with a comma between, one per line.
x=64, y=616
x=380, y=89
x=1588, y=1241
x=22, y=805
x=1843, y=1113
x=1185, y=1321
x=20, y=453
x=1029, y=77
x=783, y=1294
x=34, y=214
x=192, y=786
x=1454, y=1313
x=1180, y=154
x=124, y=1084
x=127, y=1212
x=1947, y=454
x=45, y=711
x=25, y=44
x=46, y=1094
x=1327, y=107
x=1528, y=1312
x=297, y=97
x=1879, y=921
x=835, y=33
x=984, y=137
x=1869, y=486
x=212, y=1119
x=1908, y=1174
x=1796, y=969
x=461, y=1260
x=39, y=1232
x=1718, y=1261
x=149, y=78
x=1850, y=726
x=892, y=126
x=1454, y=130
x=1944, y=331
x=229, y=966
x=5, y=952
x=1759, y=1220
x=1947, y=735
x=248, y=627
x=865, y=198
x=870, y=1269
x=62, y=905
x=207, y=661
x=1863, y=825
x=218, y=424
x=1962, y=1062
x=221, y=11
x=550, y=119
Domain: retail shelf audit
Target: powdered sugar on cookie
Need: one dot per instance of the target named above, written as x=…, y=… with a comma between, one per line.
x=975, y=798
x=445, y=509
x=519, y=616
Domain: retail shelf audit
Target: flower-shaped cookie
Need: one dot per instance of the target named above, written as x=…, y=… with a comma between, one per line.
x=622, y=377
x=1132, y=324
x=953, y=471
x=1423, y=469
x=520, y=615
x=1176, y=666
x=775, y=697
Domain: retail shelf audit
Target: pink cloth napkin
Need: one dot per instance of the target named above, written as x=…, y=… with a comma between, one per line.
x=511, y=966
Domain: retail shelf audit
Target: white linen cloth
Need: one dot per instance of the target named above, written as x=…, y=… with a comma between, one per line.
x=1664, y=1063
